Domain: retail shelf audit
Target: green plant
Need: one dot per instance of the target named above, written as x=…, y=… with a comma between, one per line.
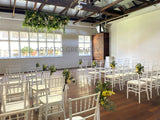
x=26, y=50
x=105, y=93
x=80, y=61
x=68, y=77
x=139, y=68
x=113, y=64
x=44, y=67
x=37, y=65
x=44, y=21
x=52, y=69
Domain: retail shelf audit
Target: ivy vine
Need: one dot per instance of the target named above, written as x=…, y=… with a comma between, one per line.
x=41, y=21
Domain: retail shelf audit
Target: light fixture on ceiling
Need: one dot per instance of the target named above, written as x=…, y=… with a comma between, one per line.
x=79, y=6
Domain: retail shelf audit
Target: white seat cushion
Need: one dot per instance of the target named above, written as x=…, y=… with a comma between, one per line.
x=40, y=87
x=112, y=76
x=135, y=82
x=13, y=106
x=76, y=118
x=147, y=79
x=51, y=99
x=93, y=72
x=34, y=80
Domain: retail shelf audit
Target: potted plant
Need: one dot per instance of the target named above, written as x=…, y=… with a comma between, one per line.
x=80, y=63
x=52, y=69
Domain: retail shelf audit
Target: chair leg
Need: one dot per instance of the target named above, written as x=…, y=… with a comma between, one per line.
x=150, y=91
x=139, y=96
x=127, y=91
x=147, y=93
x=64, y=113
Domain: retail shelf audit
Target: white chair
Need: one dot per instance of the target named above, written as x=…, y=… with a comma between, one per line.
x=93, y=74
x=151, y=80
x=25, y=114
x=86, y=104
x=14, y=97
x=113, y=77
x=54, y=98
x=137, y=86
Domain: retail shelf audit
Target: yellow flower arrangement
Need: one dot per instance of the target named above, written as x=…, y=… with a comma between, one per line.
x=106, y=92
x=139, y=68
x=113, y=64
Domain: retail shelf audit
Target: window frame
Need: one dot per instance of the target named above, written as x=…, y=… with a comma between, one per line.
x=84, y=43
x=31, y=41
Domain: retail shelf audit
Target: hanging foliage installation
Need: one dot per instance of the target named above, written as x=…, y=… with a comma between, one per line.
x=44, y=21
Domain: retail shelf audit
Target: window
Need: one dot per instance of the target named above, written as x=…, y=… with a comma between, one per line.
x=84, y=45
x=24, y=44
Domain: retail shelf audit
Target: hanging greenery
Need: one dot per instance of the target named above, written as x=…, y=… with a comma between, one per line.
x=44, y=21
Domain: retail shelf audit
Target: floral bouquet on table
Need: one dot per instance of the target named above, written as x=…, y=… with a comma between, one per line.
x=80, y=63
x=52, y=69
x=113, y=64
x=105, y=93
x=139, y=68
x=68, y=78
x=94, y=63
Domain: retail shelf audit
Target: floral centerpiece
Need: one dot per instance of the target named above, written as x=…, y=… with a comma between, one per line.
x=113, y=64
x=139, y=68
x=68, y=78
x=105, y=93
x=52, y=69
x=94, y=63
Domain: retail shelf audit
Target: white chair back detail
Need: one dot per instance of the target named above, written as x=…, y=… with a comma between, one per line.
x=83, y=105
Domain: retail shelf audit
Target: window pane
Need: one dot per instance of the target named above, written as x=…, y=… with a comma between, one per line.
x=42, y=36
x=58, y=49
x=4, y=51
x=3, y=35
x=25, y=49
x=58, y=37
x=81, y=38
x=87, y=49
x=14, y=35
x=81, y=48
x=33, y=36
x=14, y=49
x=24, y=36
x=50, y=37
x=33, y=47
x=87, y=38
x=42, y=49
x=50, y=48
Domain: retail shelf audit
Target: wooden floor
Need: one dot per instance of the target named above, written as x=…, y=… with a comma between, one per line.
x=126, y=109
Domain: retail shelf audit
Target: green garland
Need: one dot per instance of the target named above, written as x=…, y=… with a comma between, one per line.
x=44, y=21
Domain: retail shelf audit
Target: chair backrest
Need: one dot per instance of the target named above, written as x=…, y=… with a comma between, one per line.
x=54, y=87
x=84, y=104
x=13, y=93
x=26, y=114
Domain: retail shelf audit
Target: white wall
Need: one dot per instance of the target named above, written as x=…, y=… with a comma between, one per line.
x=137, y=36
x=70, y=39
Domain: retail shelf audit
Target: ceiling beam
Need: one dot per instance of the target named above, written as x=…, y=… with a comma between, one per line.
x=22, y=11
x=108, y=13
x=67, y=3
x=144, y=1
x=101, y=10
x=26, y=4
x=76, y=13
x=54, y=9
x=14, y=6
x=122, y=9
x=35, y=6
x=129, y=11
x=42, y=5
x=10, y=3
x=65, y=9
